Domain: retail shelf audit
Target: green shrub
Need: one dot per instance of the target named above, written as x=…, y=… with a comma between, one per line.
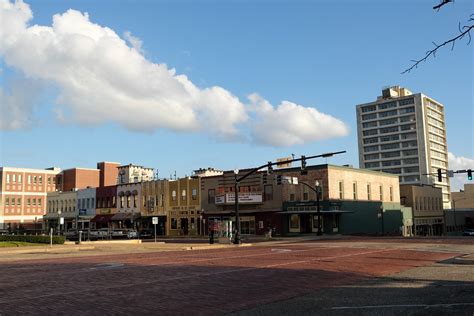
x=33, y=239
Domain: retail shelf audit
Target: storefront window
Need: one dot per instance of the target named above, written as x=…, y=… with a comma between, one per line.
x=294, y=221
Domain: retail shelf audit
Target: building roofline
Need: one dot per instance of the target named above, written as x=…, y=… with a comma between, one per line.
x=30, y=170
x=132, y=165
x=79, y=168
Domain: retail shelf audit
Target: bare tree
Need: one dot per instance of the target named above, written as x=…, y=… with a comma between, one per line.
x=463, y=31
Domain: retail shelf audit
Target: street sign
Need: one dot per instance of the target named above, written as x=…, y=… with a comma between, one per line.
x=154, y=220
x=61, y=221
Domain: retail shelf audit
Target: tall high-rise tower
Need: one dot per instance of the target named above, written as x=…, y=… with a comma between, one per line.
x=405, y=134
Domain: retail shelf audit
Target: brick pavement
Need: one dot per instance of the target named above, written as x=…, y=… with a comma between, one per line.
x=211, y=281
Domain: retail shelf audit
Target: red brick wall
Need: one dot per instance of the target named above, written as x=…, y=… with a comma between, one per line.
x=108, y=173
x=80, y=179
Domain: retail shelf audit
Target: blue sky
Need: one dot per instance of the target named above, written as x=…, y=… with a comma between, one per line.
x=327, y=55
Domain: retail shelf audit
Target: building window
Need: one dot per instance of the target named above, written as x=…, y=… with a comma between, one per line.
x=368, y=192
x=354, y=190
x=29, y=179
x=268, y=190
x=183, y=195
x=121, y=202
x=162, y=200
x=391, y=194
x=49, y=180
x=18, y=202
x=194, y=194
x=173, y=195
x=14, y=178
x=35, y=179
x=28, y=201
x=19, y=178
x=8, y=178
x=305, y=194
x=34, y=202
x=39, y=202
x=92, y=203
x=341, y=190
x=381, y=193
x=7, y=201
x=40, y=179
x=128, y=201
x=134, y=201
x=211, y=195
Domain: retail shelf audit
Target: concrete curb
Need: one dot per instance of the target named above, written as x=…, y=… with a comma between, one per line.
x=40, y=249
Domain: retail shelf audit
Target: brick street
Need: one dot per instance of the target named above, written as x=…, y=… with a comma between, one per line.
x=208, y=281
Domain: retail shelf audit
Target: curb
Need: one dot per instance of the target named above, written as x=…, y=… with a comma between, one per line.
x=45, y=250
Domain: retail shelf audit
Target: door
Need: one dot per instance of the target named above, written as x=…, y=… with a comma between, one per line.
x=184, y=226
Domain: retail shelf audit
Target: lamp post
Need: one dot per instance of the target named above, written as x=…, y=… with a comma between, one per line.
x=36, y=218
x=237, y=239
x=318, y=192
x=59, y=222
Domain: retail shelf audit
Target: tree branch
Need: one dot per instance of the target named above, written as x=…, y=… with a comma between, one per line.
x=466, y=29
x=443, y=2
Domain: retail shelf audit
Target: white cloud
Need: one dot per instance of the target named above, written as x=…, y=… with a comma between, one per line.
x=16, y=104
x=134, y=41
x=459, y=163
x=292, y=124
x=102, y=77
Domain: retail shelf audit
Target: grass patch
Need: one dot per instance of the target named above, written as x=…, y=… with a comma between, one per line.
x=4, y=244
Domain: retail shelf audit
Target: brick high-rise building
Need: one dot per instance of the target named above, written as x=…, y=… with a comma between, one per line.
x=405, y=134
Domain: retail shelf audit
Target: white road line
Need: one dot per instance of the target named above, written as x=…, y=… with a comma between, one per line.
x=400, y=305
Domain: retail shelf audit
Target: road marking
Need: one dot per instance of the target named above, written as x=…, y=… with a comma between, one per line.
x=281, y=250
x=107, y=265
x=400, y=305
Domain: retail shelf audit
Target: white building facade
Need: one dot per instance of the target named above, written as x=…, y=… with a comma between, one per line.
x=405, y=134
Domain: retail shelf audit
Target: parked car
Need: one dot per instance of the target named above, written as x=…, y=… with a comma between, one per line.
x=132, y=234
x=118, y=233
x=146, y=233
x=468, y=232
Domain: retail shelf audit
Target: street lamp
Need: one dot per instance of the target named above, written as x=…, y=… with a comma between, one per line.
x=237, y=239
x=318, y=192
x=59, y=222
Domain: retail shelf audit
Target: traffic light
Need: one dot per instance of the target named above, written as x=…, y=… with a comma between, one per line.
x=303, y=165
x=440, y=177
x=269, y=167
x=279, y=179
x=469, y=174
x=264, y=178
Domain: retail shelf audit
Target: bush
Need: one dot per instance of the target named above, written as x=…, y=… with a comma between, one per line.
x=33, y=239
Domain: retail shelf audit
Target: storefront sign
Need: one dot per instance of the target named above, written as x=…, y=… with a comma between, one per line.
x=244, y=198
